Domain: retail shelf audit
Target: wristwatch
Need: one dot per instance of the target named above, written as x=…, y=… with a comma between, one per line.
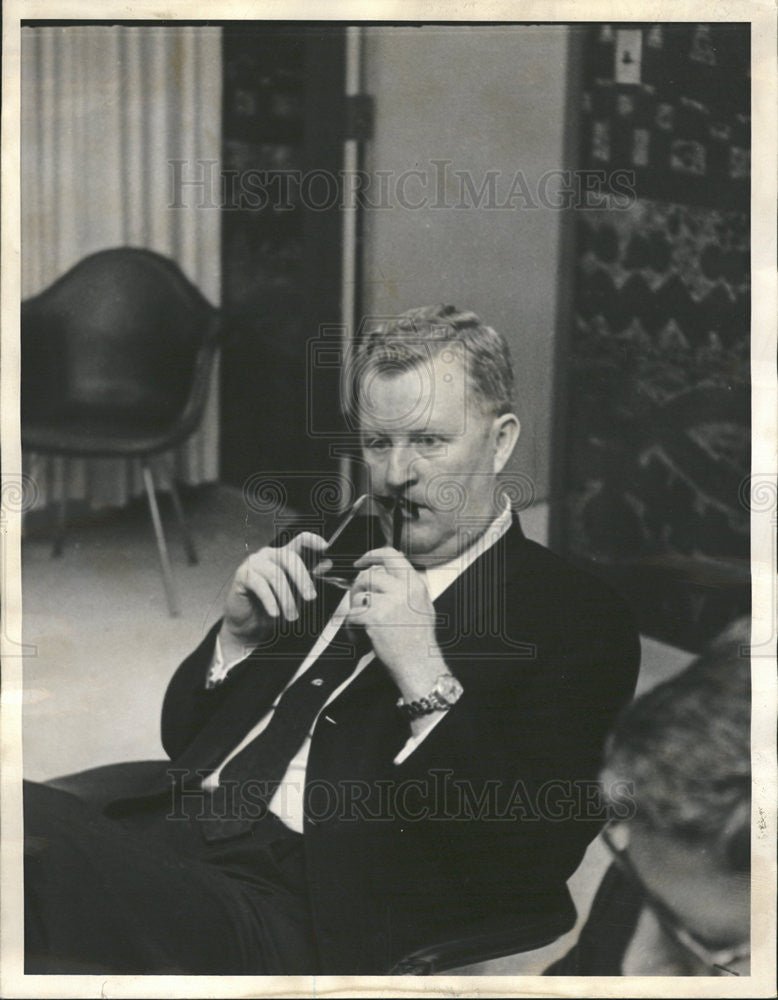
x=447, y=692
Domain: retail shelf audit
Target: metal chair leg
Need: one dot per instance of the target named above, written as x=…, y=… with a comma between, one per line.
x=191, y=552
x=164, y=560
x=61, y=469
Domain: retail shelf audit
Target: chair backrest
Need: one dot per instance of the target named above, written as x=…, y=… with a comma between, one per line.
x=119, y=334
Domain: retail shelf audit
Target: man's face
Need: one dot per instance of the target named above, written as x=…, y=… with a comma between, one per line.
x=708, y=901
x=428, y=444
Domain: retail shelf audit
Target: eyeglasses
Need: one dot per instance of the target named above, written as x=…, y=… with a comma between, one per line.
x=719, y=960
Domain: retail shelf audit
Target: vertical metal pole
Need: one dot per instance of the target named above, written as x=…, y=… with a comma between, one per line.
x=348, y=294
x=164, y=560
x=558, y=530
x=191, y=552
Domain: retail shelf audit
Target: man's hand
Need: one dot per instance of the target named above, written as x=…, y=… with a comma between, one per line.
x=390, y=600
x=268, y=585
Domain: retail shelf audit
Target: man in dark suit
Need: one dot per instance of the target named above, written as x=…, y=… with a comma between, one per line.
x=358, y=774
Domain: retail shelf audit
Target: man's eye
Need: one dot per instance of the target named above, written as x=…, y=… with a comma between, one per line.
x=376, y=443
x=427, y=441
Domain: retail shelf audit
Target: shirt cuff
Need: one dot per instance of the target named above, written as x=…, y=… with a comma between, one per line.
x=414, y=741
x=219, y=667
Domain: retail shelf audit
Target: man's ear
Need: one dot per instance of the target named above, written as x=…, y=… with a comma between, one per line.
x=505, y=434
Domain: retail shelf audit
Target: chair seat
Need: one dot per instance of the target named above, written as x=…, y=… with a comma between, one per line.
x=108, y=434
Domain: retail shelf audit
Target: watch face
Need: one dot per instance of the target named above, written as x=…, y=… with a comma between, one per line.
x=448, y=688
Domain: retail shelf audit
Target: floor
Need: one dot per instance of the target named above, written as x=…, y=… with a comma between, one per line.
x=105, y=647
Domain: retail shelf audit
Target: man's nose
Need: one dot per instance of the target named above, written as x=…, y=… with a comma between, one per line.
x=401, y=467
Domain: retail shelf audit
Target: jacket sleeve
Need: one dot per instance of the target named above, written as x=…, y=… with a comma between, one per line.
x=553, y=705
x=188, y=703
x=520, y=752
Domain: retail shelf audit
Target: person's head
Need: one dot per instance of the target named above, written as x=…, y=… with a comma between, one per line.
x=679, y=762
x=433, y=399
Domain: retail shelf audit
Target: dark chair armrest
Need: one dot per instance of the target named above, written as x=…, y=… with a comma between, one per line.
x=493, y=938
x=100, y=785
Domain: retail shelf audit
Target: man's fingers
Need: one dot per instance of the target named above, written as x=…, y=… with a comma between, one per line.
x=322, y=567
x=296, y=571
x=357, y=613
x=308, y=540
x=388, y=558
x=374, y=578
x=360, y=602
x=261, y=588
x=270, y=574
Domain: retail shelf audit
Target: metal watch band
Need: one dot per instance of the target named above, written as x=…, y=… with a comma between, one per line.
x=424, y=706
x=433, y=702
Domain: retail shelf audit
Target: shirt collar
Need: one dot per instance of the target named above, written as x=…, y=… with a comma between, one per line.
x=439, y=578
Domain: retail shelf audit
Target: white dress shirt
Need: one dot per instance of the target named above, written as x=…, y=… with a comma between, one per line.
x=287, y=802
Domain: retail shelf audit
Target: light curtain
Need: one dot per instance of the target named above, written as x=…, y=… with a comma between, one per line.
x=105, y=112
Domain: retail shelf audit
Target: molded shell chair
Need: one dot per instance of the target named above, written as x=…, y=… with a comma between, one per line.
x=116, y=362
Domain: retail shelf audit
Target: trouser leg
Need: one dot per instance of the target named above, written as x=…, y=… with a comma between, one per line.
x=102, y=898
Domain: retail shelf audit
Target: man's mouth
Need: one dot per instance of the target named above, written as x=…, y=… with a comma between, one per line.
x=408, y=508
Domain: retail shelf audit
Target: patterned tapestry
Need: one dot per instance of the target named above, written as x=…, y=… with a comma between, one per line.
x=657, y=413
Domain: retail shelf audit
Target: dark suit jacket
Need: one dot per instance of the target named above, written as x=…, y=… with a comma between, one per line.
x=485, y=815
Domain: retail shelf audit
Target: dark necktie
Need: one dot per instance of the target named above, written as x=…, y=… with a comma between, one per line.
x=249, y=780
